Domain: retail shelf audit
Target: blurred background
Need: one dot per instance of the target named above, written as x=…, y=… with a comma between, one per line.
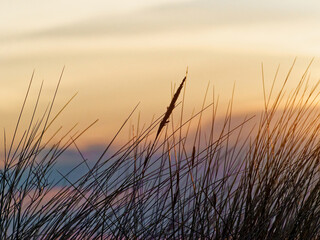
x=119, y=53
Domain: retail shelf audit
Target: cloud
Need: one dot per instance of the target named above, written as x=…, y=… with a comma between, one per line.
x=184, y=16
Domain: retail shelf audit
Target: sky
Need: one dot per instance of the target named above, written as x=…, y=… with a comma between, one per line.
x=119, y=53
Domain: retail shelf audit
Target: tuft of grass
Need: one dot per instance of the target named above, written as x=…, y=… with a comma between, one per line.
x=253, y=179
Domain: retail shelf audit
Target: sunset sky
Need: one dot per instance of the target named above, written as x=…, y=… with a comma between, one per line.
x=119, y=53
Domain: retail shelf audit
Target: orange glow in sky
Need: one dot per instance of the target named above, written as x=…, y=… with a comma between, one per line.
x=119, y=53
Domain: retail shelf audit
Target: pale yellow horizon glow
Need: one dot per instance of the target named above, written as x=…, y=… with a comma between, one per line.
x=118, y=53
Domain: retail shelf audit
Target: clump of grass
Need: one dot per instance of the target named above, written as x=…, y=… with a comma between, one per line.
x=230, y=184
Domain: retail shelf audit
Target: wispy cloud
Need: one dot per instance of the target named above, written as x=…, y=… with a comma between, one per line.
x=172, y=17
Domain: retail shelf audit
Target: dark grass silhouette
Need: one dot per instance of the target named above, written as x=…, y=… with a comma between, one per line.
x=231, y=184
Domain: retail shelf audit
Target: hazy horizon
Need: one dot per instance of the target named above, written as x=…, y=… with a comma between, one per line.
x=118, y=54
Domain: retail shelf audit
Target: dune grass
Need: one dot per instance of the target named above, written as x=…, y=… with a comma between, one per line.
x=167, y=182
